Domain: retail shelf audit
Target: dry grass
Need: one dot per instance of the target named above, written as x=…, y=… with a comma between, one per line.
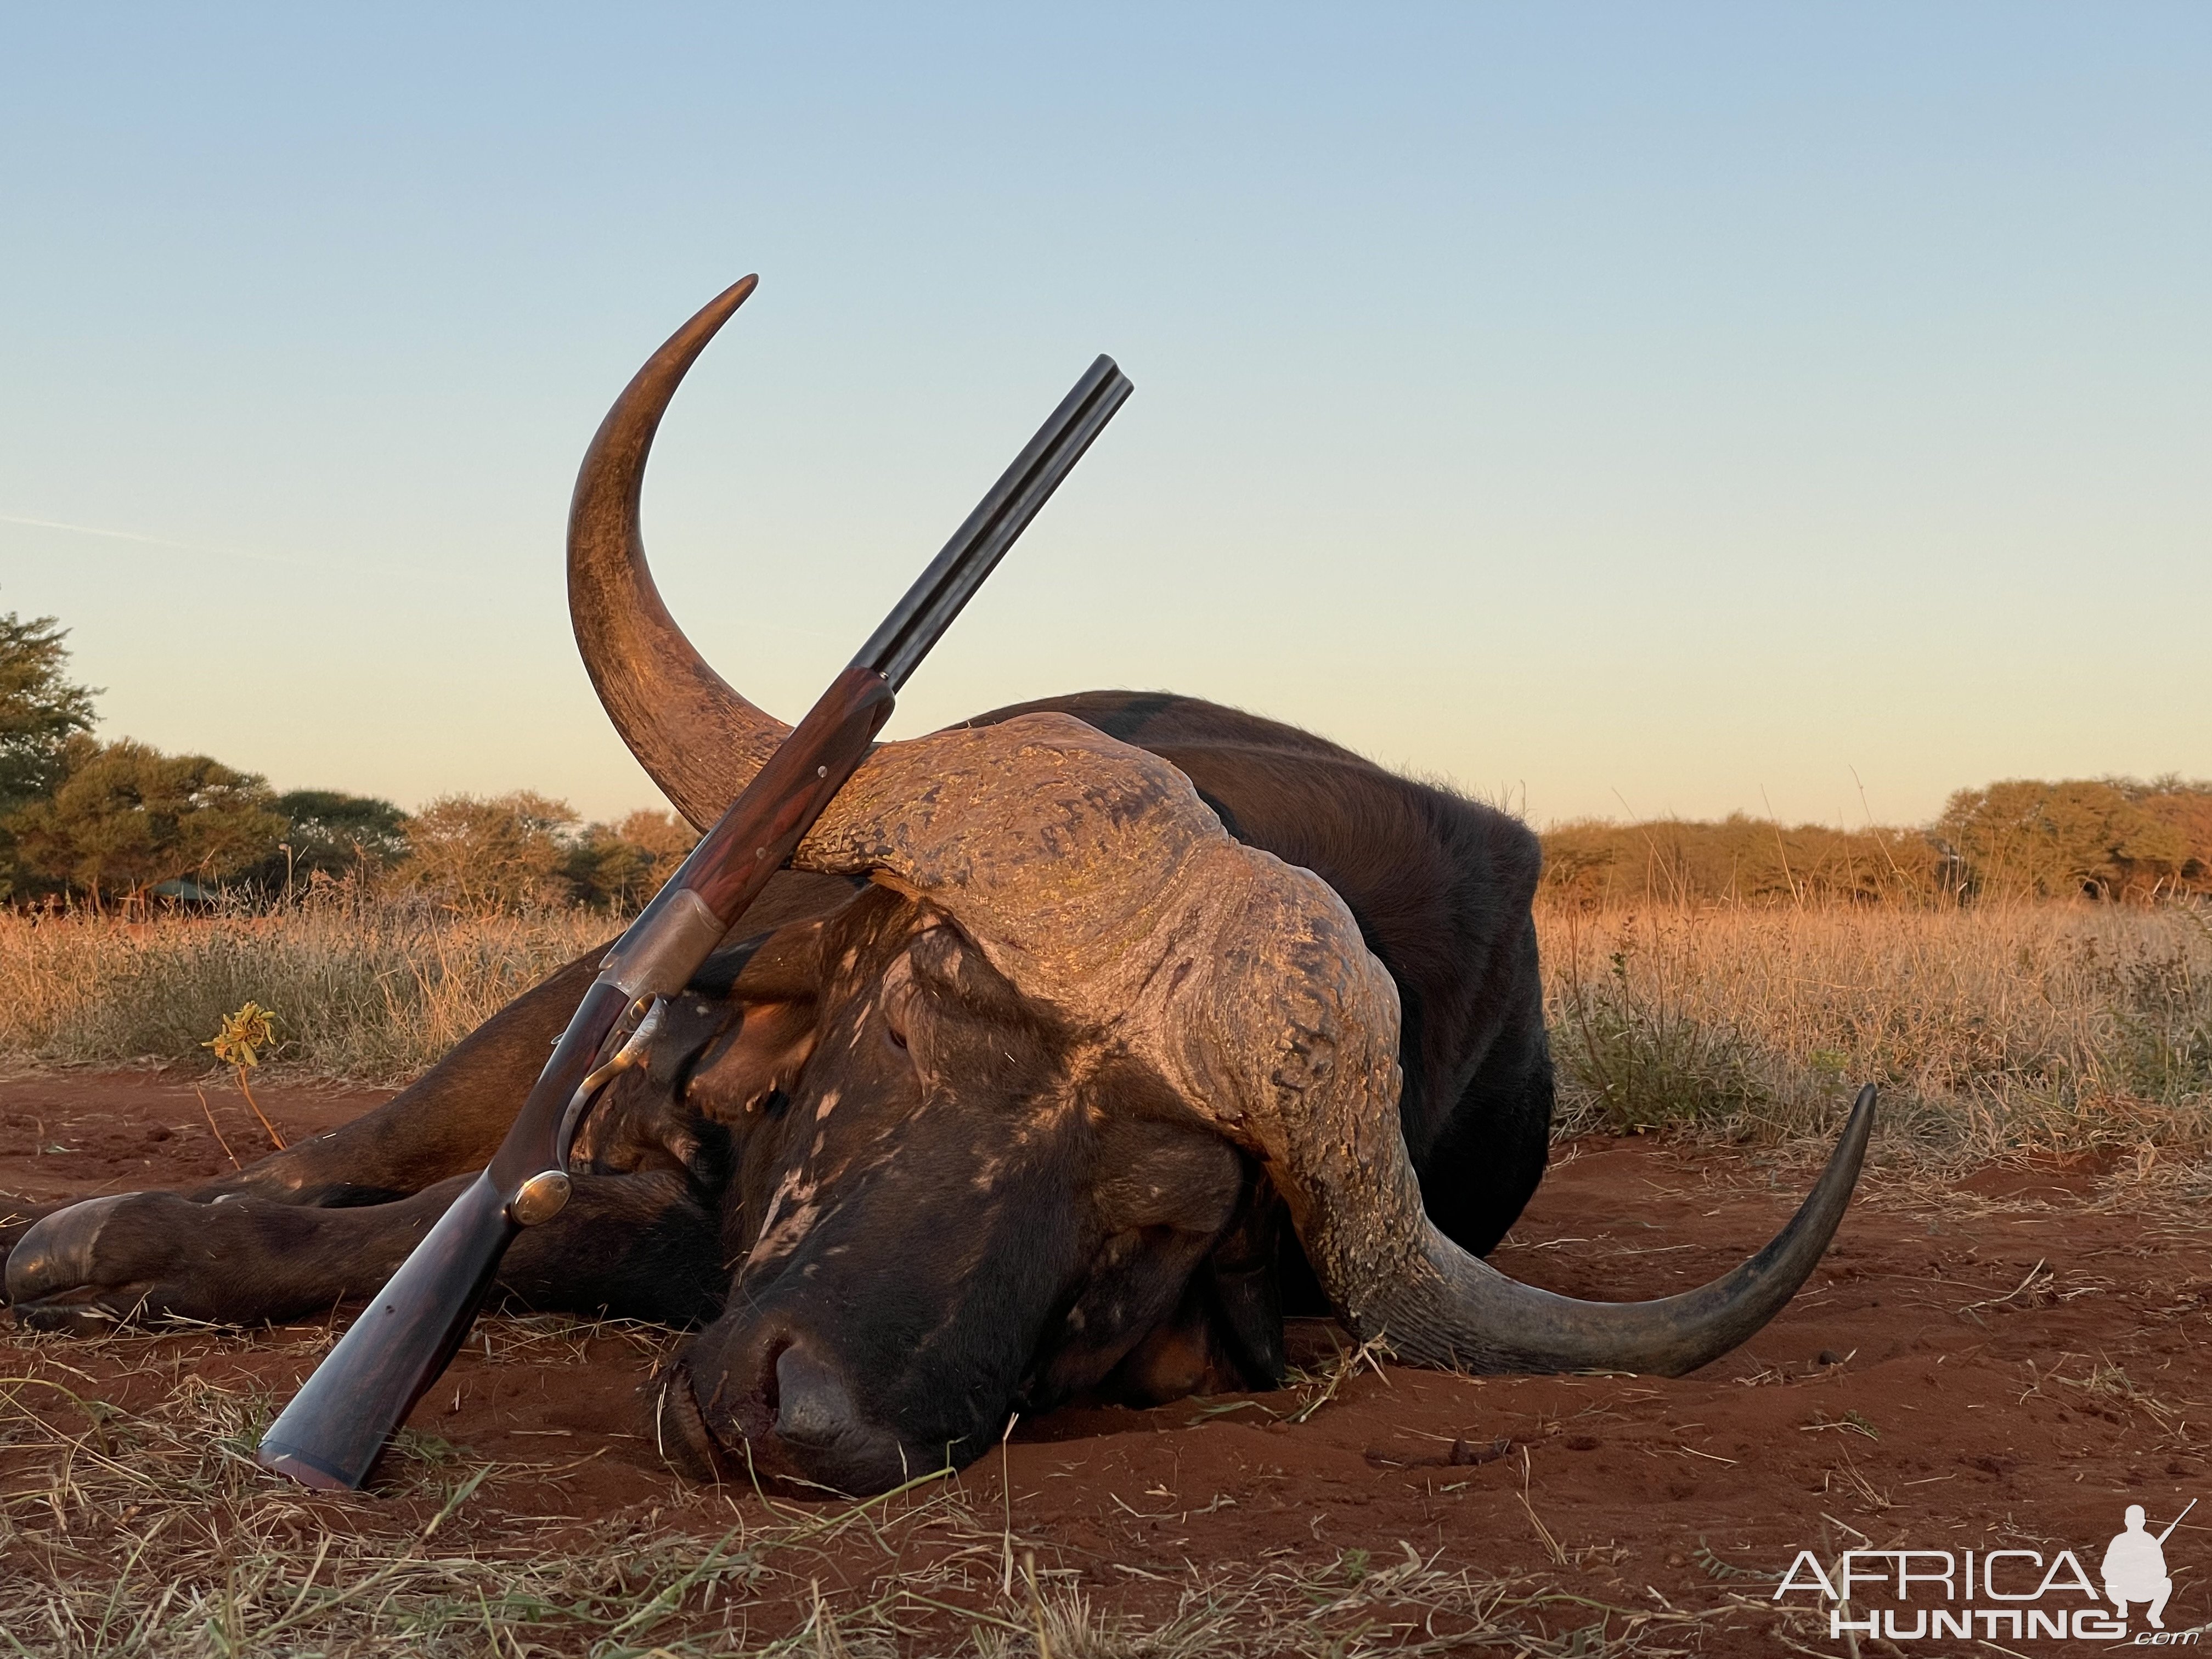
x=2057, y=1027
x=2053, y=1028
x=145, y=1529
x=373, y=989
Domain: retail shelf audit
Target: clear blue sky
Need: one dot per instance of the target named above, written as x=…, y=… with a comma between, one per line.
x=1622, y=408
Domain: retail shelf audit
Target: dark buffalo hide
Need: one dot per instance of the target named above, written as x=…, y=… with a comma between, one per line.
x=902, y=1198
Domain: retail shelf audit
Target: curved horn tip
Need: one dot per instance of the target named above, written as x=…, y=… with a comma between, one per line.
x=697, y=738
x=1845, y=1162
x=688, y=340
x=720, y=309
x=1863, y=1103
x=1467, y=1315
x=1790, y=1257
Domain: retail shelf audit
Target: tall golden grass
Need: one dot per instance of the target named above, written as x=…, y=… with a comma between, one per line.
x=369, y=988
x=2057, y=1027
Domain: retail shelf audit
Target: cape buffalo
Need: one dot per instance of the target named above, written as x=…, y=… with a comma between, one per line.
x=1078, y=1037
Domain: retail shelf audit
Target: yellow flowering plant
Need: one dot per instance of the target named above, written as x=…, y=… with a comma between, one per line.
x=238, y=1042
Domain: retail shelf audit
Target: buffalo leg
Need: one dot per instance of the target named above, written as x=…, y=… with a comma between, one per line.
x=453, y=1119
x=449, y=1120
x=639, y=1245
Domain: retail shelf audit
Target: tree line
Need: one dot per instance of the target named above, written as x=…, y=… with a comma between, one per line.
x=2115, y=839
x=121, y=823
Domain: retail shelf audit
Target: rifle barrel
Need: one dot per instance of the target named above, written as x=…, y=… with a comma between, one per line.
x=919, y=619
x=2177, y=1521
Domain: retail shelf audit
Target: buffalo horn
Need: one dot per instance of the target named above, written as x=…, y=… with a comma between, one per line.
x=1097, y=881
x=695, y=736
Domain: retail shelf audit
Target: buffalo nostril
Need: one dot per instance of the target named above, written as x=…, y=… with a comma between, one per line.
x=753, y=1390
x=772, y=1404
x=809, y=1401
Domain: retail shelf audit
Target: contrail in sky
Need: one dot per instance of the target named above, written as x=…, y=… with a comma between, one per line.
x=150, y=541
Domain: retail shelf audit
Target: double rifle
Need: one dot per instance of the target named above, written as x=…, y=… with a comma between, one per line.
x=332, y=1431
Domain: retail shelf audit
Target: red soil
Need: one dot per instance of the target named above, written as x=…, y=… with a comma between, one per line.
x=1943, y=1382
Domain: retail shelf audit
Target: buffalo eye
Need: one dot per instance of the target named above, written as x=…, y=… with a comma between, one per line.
x=897, y=1005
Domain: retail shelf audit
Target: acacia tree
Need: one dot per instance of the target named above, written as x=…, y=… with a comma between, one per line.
x=126, y=817
x=620, y=865
x=2186, y=808
x=478, y=855
x=2103, y=838
x=330, y=833
x=40, y=710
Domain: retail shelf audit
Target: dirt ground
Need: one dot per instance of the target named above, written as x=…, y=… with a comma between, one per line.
x=2003, y=1362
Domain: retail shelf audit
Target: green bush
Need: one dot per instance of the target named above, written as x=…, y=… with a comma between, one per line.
x=2113, y=838
x=125, y=817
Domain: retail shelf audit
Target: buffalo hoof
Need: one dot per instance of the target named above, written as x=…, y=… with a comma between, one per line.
x=55, y=1278
x=139, y=1256
x=15, y=1220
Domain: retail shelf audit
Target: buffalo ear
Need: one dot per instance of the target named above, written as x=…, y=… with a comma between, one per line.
x=1244, y=1278
x=772, y=987
x=757, y=1056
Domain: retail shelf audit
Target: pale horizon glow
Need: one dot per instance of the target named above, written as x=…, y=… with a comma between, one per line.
x=1612, y=411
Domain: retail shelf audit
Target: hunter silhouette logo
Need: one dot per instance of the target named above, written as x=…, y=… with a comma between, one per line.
x=2135, y=1567
x=2004, y=1595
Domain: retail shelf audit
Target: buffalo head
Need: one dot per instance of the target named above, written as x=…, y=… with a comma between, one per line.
x=994, y=1128
x=941, y=1201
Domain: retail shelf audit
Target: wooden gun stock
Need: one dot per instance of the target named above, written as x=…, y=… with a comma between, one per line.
x=339, y=1420
x=337, y=1423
